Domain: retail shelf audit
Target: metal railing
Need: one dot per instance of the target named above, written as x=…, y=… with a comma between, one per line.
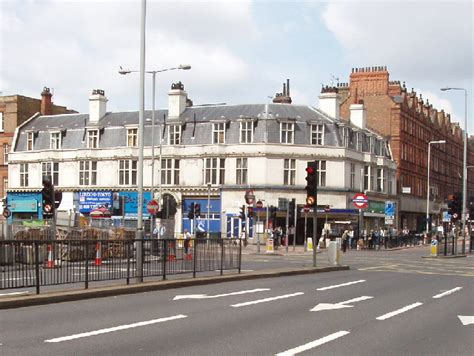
x=46, y=262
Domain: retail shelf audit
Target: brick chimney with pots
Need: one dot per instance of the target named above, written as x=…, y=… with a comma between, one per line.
x=46, y=102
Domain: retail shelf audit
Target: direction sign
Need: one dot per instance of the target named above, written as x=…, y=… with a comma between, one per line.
x=152, y=207
x=360, y=201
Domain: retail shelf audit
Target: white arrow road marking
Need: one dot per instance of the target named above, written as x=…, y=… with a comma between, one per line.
x=266, y=300
x=342, y=285
x=466, y=319
x=313, y=344
x=448, y=292
x=205, y=296
x=14, y=294
x=340, y=305
x=116, y=328
x=399, y=311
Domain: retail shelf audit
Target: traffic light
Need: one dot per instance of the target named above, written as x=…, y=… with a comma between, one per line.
x=311, y=184
x=250, y=211
x=191, y=211
x=242, y=212
x=454, y=206
x=197, y=210
x=291, y=210
x=48, y=198
x=273, y=212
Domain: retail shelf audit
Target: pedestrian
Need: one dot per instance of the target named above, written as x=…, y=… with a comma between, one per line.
x=243, y=237
x=187, y=239
x=345, y=237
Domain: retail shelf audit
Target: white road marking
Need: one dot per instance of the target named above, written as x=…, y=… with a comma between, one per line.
x=266, y=300
x=466, y=319
x=205, y=296
x=376, y=267
x=116, y=328
x=342, y=285
x=399, y=311
x=340, y=305
x=14, y=294
x=448, y=292
x=313, y=344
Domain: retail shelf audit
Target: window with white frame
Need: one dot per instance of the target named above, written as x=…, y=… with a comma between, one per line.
x=352, y=178
x=390, y=183
x=132, y=137
x=127, y=172
x=366, y=177
x=55, y=143
x=380, y=180
x=246, y=131
x=241, y=172
x=29, y=140
x=174, y=133
x=317, y=134
x=287, y=132
x=50, y=169
x=372, y=144
x=372, y=178
x=360, y=141
x=218, y=132
x=2, y=122
x=93, y=138
x=6, y=150
x=214, y=170
x=23, y=174
x=289, y=172
x=87, y=173
x=345, y=136
x=321, y=173
x=170, y=171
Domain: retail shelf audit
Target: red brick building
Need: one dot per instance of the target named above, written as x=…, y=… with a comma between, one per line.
x=14, y=110
x=410, y=122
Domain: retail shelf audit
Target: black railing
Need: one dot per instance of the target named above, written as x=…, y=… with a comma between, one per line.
x=37, y=263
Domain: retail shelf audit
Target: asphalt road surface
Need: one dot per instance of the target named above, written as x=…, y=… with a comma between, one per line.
x=389, y=303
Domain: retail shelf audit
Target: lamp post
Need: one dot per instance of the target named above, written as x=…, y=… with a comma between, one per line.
x=464, y=170
x=428, y=185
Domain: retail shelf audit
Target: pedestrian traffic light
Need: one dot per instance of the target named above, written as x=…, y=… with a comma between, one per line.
x=197, y=210
x=191, y=211
x=48, y=198
x=242, y=212
x=291, y=210
x=311, y=184
x=250, y=211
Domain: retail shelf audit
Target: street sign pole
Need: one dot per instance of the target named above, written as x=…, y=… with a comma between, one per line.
x=287, y=222
x=295, y=221
x=315, y=232
x=305, y=231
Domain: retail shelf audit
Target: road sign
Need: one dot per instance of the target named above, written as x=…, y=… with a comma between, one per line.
x=152, y=207
x=327, y=208
x=360, y=201
x=259, y=204
x=249, y=197
x=306, y=209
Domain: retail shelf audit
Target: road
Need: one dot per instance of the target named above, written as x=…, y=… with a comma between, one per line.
x=389, y=303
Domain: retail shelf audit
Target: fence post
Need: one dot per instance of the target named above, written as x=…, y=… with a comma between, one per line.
x=165, y=256
x=86, y=281
x=128, y=262
x=222, y=256
x=195, y=257
x=240, y=254
x=37, y=267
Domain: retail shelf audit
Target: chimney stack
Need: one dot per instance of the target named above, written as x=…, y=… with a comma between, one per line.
x=358, y=115
x=97, y=105
x=329, y=101
x=46, y=102
x=177, y=100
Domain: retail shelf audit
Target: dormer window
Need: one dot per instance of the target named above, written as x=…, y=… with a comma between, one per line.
x=55, y=142
x=30, y=137
x=287, y=132
x=372, y=144
x=246, y=131
x=345, y=136
x=218, y=132
x=174, y=134
x=93, y=138
x=317, y=134
x=132, y=137
x=360, y=141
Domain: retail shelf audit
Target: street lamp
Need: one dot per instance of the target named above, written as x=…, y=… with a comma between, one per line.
x=464, y=171
x=428, y=186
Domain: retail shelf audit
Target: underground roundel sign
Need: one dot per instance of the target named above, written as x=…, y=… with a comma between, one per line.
x=360, y=201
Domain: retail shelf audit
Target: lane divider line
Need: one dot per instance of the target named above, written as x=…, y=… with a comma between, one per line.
x=399, y=311
x=266, y=300
x=313, y=344
x=115, y=328
x=448, y=292
x=342, y=285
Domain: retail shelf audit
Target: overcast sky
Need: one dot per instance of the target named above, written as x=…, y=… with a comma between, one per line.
x=240, y=51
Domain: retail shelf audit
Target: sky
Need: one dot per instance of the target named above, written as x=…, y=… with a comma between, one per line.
x=241, y=52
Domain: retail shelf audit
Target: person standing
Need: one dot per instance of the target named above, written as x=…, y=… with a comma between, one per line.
x=187, y=239
x=345, y=237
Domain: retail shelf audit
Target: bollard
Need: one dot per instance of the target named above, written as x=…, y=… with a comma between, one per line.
x=270, y=247
x=333, y=253
x=434, y=248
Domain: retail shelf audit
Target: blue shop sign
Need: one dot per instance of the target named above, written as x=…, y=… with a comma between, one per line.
x=89, y=201
x=131, y=202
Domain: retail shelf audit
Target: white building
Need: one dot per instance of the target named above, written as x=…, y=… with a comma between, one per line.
x=209, y=153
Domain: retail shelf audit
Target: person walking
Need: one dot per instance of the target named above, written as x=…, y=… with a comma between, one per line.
x=345, y=238
x=187, y=239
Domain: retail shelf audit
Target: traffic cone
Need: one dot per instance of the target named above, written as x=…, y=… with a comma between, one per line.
x=98, y=256
x=50, y=263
